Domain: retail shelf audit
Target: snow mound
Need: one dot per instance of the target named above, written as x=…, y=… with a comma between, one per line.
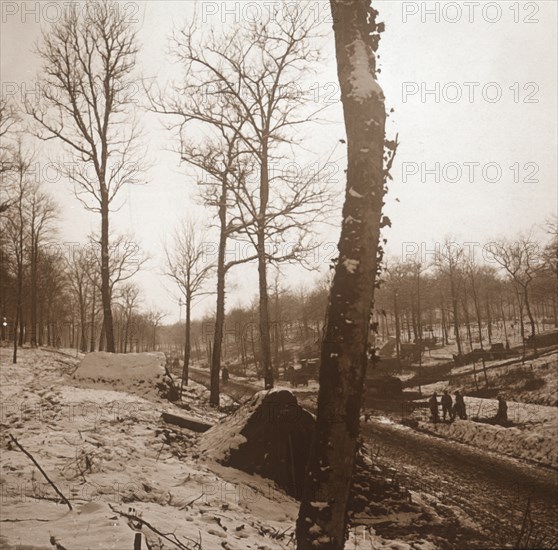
x=218, y=442
x=136, y=373
x=269, y=436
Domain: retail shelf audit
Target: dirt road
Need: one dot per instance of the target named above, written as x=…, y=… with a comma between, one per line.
x=492, y=490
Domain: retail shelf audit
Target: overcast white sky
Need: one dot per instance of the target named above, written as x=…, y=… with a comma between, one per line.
x=478, y=50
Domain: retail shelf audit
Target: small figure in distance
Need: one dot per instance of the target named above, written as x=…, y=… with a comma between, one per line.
x=225, y=374
x=459, y=407
x=502, y=414
x=447, y=403
x=433, y=402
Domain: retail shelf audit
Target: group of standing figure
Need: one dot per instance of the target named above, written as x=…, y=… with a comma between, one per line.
x=450, y=410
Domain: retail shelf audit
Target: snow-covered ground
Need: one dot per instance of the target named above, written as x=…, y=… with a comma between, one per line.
x=103, y=444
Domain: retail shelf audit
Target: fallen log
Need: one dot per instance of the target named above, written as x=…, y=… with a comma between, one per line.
x=186, y=422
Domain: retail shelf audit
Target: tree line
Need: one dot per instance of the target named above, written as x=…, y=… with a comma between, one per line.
x=505, y=295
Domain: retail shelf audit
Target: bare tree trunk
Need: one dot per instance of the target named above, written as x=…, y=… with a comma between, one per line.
x=105, y=278
x=126, y=334
x=220, y=308
x=19, y=259
x=504, y=320
x=22, y=326
x=521, y=324
x=102, y=337
x=489, y=322
x=444, y=325
x=529, y=313
x=276, y=329
x=93, y=326
x=477, y=308
x=467, y=323
x=16, y=324
x=265, y=343
x=455, y=316
x=322, y=518
x=34, y=259
x=254, y=354
x=414, y=323
x=83, y=321
x=186, y=366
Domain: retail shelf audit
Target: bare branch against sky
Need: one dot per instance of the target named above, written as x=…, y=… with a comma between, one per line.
x=474, y=96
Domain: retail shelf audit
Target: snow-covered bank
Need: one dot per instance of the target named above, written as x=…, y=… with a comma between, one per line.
x=107, y=448
x=530, y=436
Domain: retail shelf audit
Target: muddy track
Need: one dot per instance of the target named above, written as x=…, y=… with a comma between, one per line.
x=239, y=392
x=493, y=491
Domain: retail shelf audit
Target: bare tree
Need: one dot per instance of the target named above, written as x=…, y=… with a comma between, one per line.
x=448, y=261
x=394, y=283
x=549, y=267
x=219, y=159
x=43, y=211
x=323, y=512
x=78, y=266
x=16, y=227
x=124, y=261
x=129, y=296
x=219, y=156
x=154, y=319
x=8, y=124
x=188, y=267
x=86, y=103
x=252, y=73
x=550, y=252
x=520, y=260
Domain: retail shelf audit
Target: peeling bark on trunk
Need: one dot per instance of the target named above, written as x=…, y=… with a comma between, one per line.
x=323, y=513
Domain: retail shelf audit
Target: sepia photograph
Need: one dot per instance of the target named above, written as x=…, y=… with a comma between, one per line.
x=278, y=274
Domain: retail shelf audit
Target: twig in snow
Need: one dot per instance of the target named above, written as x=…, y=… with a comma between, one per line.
x=170, y=537
x=159, y=453
x=191, y=502
x=28, y=454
